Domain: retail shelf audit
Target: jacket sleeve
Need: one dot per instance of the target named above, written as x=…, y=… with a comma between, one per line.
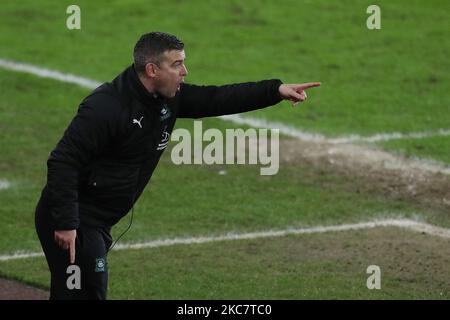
x=207, y=101
x=90, y=132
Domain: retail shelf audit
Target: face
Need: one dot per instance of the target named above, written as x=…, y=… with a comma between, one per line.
x=170, y=73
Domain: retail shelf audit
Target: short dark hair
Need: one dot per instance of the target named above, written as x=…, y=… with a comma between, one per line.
x=151, y=47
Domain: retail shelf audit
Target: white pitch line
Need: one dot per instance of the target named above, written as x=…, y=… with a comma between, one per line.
x=285, y=129
x=4, y=184
x=392, y=136
x=292, y=131
x=21, y=255
x=47, y=73
x=400, y=223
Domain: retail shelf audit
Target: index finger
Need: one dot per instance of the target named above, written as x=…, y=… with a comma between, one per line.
x=72, y=251
x=308, y=85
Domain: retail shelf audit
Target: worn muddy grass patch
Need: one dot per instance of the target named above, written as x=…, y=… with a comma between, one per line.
x=13, y=290
x=338, y=167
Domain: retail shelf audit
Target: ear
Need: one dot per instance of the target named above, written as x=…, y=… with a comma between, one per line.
x=150, y=70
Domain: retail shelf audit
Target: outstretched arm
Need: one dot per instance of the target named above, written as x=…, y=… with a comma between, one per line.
x=208, y=101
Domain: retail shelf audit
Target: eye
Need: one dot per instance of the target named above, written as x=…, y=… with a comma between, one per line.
x=178, y=64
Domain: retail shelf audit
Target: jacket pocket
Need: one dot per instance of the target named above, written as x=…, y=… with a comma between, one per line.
x=113, y=186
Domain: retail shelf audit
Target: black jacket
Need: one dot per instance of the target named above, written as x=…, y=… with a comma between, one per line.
x=109, y=151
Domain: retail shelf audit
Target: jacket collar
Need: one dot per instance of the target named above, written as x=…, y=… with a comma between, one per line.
x=140, y=91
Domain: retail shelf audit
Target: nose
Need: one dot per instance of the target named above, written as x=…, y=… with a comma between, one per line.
x=184, y=71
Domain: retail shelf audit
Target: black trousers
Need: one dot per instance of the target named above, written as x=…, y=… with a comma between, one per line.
x=87, y=278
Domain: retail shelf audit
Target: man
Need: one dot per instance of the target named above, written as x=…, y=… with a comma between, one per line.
x=109, y=151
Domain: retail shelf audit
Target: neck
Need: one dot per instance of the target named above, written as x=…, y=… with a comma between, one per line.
x=148, y=85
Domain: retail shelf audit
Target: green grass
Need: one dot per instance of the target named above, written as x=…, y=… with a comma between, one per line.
x=436, y=148
x=391, y=80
